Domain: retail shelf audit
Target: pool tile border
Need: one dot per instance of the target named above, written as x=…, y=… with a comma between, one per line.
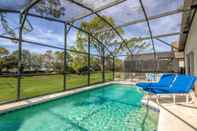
x=152, y=105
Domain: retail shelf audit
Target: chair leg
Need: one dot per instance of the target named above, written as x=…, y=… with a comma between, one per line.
x=157, y=99
x=187, y=98
x=149, y=96
x=174, y=99
x=192, y=98
x=146, y=96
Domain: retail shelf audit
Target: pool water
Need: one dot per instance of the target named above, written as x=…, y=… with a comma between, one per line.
x=113, y=107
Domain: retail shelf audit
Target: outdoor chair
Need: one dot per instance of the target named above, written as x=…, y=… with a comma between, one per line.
x=181, y=84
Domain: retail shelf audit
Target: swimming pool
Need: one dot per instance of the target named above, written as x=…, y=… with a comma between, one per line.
x=113, y=107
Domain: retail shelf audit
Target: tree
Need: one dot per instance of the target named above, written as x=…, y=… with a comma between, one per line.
x=95, y=63
x=3, y=52
x=36, y=62
x=12, y=31
x=78, y=61
x=48, y=60
x=137, y=46
x=11, y=62
x=95, y=26
x=118, y=65
x=58, y=64
x=26, y=59
x=7, y=27
x=50, y=7
x=108, y=38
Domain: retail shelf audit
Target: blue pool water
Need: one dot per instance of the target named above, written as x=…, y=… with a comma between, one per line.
x=113, y=107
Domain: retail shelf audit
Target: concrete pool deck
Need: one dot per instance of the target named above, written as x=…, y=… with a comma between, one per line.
x=178, y=117
x=175, y=117
x=172, y=117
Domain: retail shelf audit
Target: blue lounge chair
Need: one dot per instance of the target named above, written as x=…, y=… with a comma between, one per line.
x=165, y=81
x=181, y=84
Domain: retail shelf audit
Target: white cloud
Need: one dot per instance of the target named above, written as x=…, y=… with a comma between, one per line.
x=167, y=24
x=127, y=11
x=46, y=37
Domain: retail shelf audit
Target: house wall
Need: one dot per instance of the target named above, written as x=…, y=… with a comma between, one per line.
x=191, y=46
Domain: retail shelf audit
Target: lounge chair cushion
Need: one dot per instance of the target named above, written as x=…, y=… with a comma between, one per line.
x=182, y=84
x=165, y=80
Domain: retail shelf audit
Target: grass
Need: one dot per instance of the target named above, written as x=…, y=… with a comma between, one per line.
x=40, y=85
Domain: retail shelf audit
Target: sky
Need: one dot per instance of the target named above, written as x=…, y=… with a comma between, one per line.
x=52, y=33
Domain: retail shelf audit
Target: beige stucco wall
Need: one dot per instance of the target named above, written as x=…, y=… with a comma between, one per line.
x=191, y=44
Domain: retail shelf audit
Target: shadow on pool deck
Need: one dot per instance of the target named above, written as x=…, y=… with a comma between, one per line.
x=188, y=106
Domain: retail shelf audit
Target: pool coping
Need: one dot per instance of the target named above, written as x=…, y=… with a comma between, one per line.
x=152, y=105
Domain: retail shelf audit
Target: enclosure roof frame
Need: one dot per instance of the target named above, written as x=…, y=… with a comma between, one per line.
x=95, y=12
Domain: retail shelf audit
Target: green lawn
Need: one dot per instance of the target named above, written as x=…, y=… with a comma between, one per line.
x=40, y=85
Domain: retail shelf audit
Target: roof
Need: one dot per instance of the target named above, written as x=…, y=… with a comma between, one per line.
x=149, y=56
x=186, y=22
